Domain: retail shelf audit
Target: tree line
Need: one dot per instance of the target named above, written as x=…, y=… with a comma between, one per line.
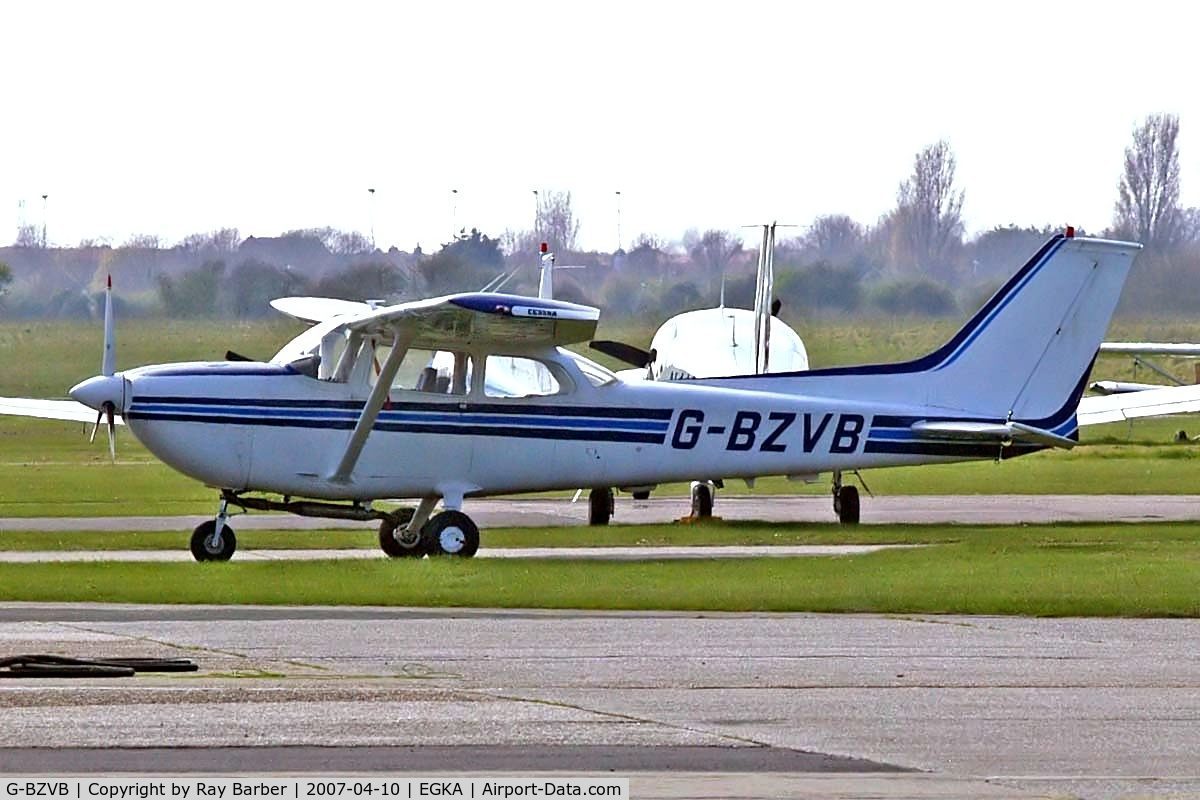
x=914, y=259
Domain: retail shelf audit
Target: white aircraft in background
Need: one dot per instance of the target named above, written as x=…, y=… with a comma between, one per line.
x=1139, y=351
x=1128, y=400
x=713, y=343
x=338, y=418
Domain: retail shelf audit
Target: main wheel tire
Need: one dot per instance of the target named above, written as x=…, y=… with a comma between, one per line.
x=203, y=551
x=600, y=506
x=702, y=501
x=450, y=533
x=846, y=505
x=643, y=495
x=408, y=546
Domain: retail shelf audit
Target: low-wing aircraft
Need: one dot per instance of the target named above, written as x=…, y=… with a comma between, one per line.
x=339, y=417
x=713, y=343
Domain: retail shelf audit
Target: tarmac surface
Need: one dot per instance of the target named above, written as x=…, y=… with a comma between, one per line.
x=496, y=513
x=685, y=705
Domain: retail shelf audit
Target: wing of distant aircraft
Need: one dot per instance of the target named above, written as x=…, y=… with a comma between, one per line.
x=1159, y=402
x=1151, y=348
x=68, y=410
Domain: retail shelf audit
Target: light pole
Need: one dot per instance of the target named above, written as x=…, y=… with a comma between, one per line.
x=371, y=214
x=44, y=240
x=618, y=219
x=453, y=214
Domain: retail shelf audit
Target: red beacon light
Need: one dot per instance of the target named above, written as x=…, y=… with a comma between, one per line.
x=1070, y=231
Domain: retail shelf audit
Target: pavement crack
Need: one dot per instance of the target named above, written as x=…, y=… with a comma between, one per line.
x=743, y=741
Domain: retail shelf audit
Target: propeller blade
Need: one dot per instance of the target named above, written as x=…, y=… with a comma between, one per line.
x=108, y=364
x=634, y=356
x=109, y=412
x=96, y=427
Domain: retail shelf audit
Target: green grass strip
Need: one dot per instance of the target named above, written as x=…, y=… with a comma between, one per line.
x=1129, y=571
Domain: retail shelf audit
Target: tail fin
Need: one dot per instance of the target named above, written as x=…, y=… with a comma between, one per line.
x=1023, y=356
x=1026, y=353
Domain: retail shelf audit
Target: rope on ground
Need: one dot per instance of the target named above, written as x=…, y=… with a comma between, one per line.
x=50, y=666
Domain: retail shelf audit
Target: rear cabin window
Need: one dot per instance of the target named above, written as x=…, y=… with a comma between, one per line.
x=427, y=371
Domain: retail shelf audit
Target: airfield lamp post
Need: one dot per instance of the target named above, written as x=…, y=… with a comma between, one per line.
x=453, y=214
x=45, y=197
x=618, y=219
x=371, y=214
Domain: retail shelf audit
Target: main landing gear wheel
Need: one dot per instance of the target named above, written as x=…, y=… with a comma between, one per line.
x=702, y=501
x=845, y=504
x=450, y=533
x=600, y=506
x=203, y=548
x=409, y=544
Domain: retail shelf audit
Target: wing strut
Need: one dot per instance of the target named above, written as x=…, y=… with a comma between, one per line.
x=366, y=420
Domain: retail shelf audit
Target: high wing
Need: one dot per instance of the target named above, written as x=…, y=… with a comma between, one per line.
x=451, y=322
x=1150, y=403
x=68, y=410
x=1151, y=348
x=478, y=318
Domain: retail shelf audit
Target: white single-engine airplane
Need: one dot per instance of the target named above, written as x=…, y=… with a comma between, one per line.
x=338, y=417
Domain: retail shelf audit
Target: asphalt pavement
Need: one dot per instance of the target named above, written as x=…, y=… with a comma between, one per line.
x=686, y=705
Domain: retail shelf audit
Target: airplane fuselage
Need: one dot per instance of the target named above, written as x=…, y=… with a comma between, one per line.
x=264, y=427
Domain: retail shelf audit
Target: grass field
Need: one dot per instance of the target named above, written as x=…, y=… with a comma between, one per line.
x=48, y=469
x=1080, y=570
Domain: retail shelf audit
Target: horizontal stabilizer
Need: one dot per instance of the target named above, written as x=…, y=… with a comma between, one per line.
x=1159, y=402
x=998, y=432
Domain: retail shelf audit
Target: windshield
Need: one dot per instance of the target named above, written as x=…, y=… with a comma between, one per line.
x=595, y=374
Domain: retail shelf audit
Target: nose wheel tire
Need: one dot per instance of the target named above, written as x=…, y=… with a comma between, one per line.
x=203, y=549
x=845, y=503
x=408, y=545
x=600, y=506
x=702, y=501
x=450, y=533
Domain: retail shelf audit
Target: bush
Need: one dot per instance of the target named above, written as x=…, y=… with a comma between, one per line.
x=921, y=296
x=820, y=286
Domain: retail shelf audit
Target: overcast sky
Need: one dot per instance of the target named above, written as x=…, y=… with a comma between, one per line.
x=174, y=118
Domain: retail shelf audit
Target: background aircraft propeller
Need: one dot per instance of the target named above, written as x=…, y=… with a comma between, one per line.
x=621, y=351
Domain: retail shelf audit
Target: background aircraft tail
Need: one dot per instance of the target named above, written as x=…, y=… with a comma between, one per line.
x=1024, y=355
